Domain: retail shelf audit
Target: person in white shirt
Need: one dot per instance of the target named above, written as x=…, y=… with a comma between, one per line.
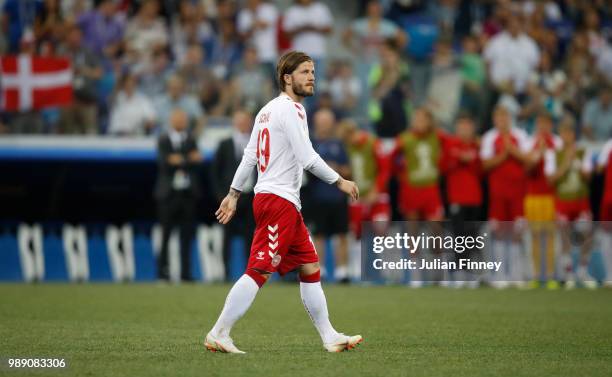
x=512, y=57
x=281, y=149
x=257, y=25
x=132, y=114
x=308, y=24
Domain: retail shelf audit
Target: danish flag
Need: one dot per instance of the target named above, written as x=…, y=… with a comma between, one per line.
x=34, y=82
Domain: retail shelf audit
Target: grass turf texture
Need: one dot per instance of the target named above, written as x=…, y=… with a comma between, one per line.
x=153, y=330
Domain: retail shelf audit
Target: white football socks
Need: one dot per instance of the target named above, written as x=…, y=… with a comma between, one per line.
x=316, y=306
x=238, y=301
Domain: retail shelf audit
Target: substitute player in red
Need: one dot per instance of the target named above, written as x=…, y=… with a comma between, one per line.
x=282, y=150
x=504, y=152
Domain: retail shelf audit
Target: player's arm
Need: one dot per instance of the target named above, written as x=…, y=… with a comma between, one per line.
x=490, y=160
x=227, y=209
x=310, y=159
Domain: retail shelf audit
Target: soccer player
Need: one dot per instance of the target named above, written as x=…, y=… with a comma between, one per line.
x=281, y=148
x=569, y=170
x=370, y=167
x=503, y=154
x=421, y=147
x=463, y=171
x=540, y=200
x=605, y=214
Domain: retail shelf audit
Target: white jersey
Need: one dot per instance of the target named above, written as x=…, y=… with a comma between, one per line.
x=281, y=148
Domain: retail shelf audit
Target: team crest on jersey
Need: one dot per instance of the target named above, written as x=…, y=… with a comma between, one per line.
x=276, y=259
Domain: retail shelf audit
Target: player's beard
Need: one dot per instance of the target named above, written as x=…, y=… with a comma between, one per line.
x=301, y=90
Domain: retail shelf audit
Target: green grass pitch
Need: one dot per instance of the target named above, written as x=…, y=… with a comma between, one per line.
x=157, y=330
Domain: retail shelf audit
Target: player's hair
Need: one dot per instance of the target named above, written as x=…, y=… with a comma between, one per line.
x=289, y=63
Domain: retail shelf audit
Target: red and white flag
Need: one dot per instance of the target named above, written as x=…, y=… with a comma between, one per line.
x=33, y=82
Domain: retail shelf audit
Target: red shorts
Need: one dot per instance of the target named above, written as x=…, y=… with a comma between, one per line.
x=572, y=210
x=605, y=213
x=281, y=241
x=424, y=201
x=505, y=207
x=380, y=210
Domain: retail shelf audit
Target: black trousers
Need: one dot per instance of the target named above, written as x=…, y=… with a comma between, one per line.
x=178, y=210
x=242, y=225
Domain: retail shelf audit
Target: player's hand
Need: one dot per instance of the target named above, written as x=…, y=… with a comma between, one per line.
x=227, y=209
x=348, y=187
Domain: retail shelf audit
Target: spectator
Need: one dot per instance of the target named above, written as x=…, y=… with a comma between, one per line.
x=597, y=116
x=49, y=25
x=102, y=29
x=225, y=51
x=474, y=74
x=177, y=189
x=153, y=78
x=308, y=24
x=200, y=81
x=257, y=25
x=331, y=217
x=444, y=89
x=389, y=85
x=189, y=27
x=81, y=116
x=176, y=97
x=226, y=161
x=132, y=114
x=146, y=32
x=345, y=89
x=365, y=36
x=251, y=86
x=17, y=16
x=512, y=57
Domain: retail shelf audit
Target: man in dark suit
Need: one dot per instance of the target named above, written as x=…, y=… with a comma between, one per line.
x=177, y=190
x=227, y=158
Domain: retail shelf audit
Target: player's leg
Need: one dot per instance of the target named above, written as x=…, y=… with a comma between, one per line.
x=303, y=256
x=275, y=218
x=315, y=304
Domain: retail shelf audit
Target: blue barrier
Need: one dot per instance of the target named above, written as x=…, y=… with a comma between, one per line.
x=10, y=267
x=55, y=260
x=99, y=264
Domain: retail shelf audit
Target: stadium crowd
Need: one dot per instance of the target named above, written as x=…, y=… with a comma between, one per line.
x=421, y=102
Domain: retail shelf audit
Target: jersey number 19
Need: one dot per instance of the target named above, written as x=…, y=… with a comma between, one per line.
x=263, y=149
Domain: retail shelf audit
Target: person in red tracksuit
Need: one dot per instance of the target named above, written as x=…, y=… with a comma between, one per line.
x=463, y=172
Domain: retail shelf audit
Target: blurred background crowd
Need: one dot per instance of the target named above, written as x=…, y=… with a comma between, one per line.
x=376, y=60
x=447, y=71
